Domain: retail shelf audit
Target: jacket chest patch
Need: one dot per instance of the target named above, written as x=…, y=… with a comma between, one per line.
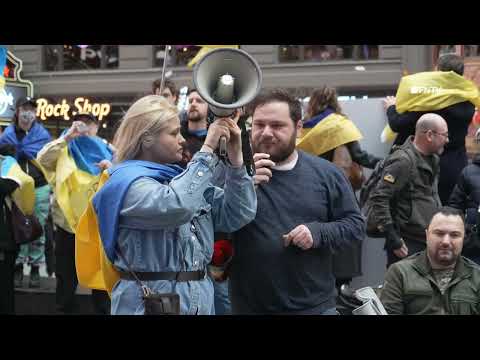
x=389, y=178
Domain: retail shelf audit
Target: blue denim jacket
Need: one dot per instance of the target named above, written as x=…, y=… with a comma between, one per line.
x=167, y=242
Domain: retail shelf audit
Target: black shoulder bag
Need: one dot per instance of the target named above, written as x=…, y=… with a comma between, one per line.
x=155, y=304
x=26, y=228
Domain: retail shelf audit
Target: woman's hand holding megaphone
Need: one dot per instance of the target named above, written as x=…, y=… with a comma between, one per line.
x=234, y=144
x=228, y=128
x=215, y=131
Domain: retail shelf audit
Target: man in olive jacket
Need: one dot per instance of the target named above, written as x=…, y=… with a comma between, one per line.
x=438, y=281
x=406, y=196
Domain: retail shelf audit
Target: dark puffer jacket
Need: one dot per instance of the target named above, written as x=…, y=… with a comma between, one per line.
x=466, y=197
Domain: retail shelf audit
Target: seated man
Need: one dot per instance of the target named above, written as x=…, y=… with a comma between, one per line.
x=437, y=281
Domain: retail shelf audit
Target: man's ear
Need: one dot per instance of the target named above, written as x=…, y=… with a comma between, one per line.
x=299, y=125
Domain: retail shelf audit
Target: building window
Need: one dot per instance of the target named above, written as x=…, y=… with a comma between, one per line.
x=178, y=55
x=446, y=49
x=307, y=53
x=472, y=50
x=80, y=57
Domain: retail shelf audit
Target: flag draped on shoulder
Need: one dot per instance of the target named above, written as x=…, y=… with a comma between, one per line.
x=76, y=176
x=30, y=145
x=430, y=91
x=24, y=195
x=326, y=132
x=97, y=230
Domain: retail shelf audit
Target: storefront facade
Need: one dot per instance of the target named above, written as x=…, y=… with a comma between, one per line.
x=118, y=74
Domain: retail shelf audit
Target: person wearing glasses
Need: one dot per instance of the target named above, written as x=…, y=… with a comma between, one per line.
x=406, y=196
x=458, y=117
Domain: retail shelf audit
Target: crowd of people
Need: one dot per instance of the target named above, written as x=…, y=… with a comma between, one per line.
x=181, y=230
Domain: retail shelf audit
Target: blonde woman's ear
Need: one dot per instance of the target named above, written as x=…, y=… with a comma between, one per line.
x=147, y=141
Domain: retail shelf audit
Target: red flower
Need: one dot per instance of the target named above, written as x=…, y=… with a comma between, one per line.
x=222, y=252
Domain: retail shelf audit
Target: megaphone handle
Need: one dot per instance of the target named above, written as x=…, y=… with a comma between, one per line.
x=222, y=148
x=246, y=146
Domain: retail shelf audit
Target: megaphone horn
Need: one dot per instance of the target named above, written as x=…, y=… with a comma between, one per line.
x=227, y=79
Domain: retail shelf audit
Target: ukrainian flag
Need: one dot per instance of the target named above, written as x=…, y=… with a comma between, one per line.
x=430, y=91
x=324, y=133
x=97, y=230
x=76, y=176
x=24, y=195
x=94, y=269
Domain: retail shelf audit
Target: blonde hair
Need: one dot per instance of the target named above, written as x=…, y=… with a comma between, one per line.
x=147, y=116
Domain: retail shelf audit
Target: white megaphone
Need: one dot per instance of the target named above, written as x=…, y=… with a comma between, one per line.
x=227, y=79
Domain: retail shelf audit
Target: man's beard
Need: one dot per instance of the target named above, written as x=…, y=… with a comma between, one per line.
x=195, y=116
x=280, y=154
x=443, y=259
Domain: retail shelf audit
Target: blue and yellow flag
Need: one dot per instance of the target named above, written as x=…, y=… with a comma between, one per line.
x=94, y=269
x=76, y=175
x=430, y=91
x=326, y=132
x=206, y=49
x=97, y=230
x=24, y=195
x=27, y=148
x=3, y=63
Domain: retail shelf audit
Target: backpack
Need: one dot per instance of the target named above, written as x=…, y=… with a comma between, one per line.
x=370, y=185
x=353, y=171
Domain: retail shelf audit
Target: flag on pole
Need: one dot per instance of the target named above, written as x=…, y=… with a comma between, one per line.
x=206, y=49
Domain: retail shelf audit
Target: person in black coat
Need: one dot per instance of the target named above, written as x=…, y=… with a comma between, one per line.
x=8, y=247
x=466, y=197
x=458, y=118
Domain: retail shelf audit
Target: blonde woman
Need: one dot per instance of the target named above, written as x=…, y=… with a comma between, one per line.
x=157, y=219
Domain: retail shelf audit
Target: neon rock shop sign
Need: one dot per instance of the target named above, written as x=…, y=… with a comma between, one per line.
x=62, y=109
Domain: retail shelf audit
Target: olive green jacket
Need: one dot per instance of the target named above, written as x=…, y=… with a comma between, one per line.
x=411, y=289
x=407, y=193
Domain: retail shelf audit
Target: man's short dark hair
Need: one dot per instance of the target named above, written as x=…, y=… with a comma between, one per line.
x=451, y=62
x=448, y=211
x=278, y=95
x=192, y=90
x=167, y=84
